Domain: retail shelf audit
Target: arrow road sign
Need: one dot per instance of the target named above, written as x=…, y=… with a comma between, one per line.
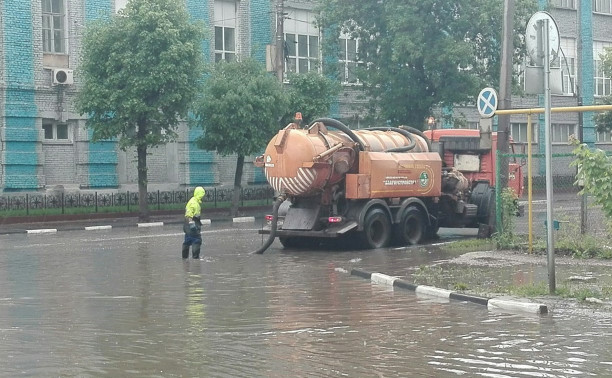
x=487, y=102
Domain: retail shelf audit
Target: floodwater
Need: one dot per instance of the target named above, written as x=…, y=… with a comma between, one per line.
x=123, y=303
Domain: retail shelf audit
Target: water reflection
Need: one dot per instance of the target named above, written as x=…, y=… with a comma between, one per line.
x=130, y=306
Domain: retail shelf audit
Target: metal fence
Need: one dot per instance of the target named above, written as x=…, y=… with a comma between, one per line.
x=574, y=215
x=95, y=202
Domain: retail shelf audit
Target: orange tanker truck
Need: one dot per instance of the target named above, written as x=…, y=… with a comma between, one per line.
x=378, y=185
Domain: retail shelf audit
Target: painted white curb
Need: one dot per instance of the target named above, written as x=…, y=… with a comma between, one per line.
x=205, y=221
x=244, y=219
x=383, y=279
x=433, y=291
x=93, y=228
x=43, y=231
x=502, y=304
x=152, y=224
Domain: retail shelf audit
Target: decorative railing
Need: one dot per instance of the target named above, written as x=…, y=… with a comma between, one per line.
x=94, y=202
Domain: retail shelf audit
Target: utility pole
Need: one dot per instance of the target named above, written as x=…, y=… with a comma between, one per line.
x=505, y=91
x=280, y=40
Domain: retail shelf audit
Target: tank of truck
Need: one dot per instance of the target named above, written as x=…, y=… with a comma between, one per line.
x=303, y=162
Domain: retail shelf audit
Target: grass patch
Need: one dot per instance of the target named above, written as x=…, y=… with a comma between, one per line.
x=470, y=245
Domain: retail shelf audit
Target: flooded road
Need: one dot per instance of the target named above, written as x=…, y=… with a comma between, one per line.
x=123, y=303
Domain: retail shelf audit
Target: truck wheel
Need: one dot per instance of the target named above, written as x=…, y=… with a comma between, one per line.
x=412, y=228
x=376, y=229
x=288, y=242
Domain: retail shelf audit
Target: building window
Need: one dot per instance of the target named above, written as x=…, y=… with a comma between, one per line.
x=225, y=31
x=560, y=132
x=348, y=60
x=571, y=4
x=518, y=132
x=602, y=6
x=603, y=84
x=302, y=53
x=473, y=125
x=55, y=131
x=53, y=21
x=567, y=58
x=301, y=42
x=604, y=137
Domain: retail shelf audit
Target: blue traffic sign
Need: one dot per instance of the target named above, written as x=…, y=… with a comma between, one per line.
x=487, y=102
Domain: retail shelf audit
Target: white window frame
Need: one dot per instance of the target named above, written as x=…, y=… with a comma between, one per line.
x=568, y=61
x=602, y=83
x=226, y=31
x=522, y=131
x=604, y=137
x=602, y=6
x=53, y=126
x=54, y=27
x=347, y=63
x=568, y=4
x=302, y=42
x=560, y=132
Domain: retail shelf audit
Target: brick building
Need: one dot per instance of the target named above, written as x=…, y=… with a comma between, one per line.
x=44, y=144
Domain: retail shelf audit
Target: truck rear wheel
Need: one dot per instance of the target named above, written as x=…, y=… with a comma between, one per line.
x=376, y=229
x=412, y=227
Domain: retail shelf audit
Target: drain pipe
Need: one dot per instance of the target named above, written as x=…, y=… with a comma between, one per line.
x=279, y=200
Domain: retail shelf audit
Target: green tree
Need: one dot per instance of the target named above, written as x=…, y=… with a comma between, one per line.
x=140, y=71
x=310, y=94
x=239, y=111
x=419, y=54
x=595, y=175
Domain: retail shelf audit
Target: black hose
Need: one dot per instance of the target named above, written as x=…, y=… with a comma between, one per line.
x=342, y=127
x=280, y=199
x=405, y=133
x=417, y=132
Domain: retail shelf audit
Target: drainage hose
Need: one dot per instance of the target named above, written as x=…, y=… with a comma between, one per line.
x=280, y=199
x=342, y=127
x=405, y=133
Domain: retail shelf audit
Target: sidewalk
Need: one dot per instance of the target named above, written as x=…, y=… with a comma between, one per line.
x=108, y=221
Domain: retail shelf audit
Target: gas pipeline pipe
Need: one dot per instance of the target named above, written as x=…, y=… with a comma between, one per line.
x=273, y=226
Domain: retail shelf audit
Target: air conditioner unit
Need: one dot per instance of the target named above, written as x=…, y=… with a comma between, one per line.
x=62, y=76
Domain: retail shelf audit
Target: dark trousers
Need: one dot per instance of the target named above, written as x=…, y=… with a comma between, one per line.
x=193, y=239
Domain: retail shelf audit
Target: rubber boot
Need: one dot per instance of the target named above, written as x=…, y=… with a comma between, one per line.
x=186, y=251
x=196, y=250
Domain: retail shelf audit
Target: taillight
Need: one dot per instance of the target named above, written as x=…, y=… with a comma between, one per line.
x=269, y=217
x=334, y=219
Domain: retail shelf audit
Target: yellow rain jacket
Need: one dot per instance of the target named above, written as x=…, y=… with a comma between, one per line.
x=193, y=207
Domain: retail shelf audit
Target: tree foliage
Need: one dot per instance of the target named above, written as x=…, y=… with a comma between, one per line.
x=239, y=110
x=595, y=175
x=140, y=70
x=310, y=94
x=419, y=54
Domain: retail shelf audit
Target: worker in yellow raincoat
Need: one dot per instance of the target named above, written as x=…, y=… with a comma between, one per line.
x=193, y=225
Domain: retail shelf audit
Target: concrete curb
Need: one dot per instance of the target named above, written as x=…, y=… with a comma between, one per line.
x=94, y=228
x=151, y=224
x=42, y=231
x=493, y=304
x=243, y=219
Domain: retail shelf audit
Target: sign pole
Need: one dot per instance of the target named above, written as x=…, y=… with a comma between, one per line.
x=549, y=182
